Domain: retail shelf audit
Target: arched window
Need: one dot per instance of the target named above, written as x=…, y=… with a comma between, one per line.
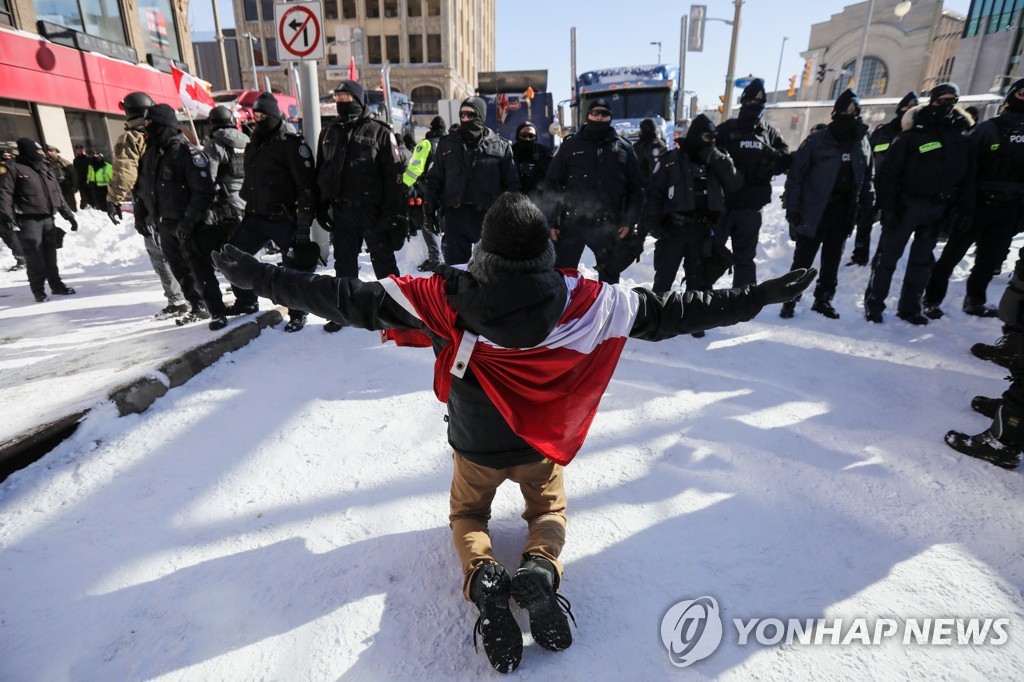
x=424, y=99
x=874, y=78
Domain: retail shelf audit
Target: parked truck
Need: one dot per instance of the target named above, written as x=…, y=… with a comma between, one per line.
x=633, y=94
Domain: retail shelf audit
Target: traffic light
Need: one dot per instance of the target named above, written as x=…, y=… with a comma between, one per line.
x=792, y=86
x=822, y=68
x=808, y=70
x=721, y=107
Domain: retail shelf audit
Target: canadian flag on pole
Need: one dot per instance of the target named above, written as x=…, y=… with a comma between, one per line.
x=194, y=95
x=353, y=75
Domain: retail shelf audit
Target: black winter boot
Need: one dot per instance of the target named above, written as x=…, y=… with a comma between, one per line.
x=533, y=588
x=788, y=309
x=825, y=308
x=1003, y=352
x=973, y=306
x=986, y=406
x=985, y=446
x=491, y=589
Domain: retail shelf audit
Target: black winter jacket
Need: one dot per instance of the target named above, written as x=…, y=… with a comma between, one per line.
x=759, y=153
x=998, y=148
x=813, y=174
x=671, y=190
x=359, y=162
x=929, y=161
x=532, y=162
x=280, y=180
x=881, y=140
x=594, y=176
x=463, y=176
x=174, y=183
x=30, y=190
x=509, y=313
x=648, y=152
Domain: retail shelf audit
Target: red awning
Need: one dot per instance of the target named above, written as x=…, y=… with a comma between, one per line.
x=32, y=69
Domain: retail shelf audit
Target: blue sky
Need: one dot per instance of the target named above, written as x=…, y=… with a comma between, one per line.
x=534, y=34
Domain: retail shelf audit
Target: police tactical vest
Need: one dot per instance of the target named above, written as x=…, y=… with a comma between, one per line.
x=1003, y=161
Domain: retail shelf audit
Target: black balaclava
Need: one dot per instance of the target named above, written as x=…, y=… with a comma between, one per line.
x=943, y=111
x=599, y=128
x=162, y=124
x=473, y=129
x=648, y=130
x=1012, y=103
x=266, y=104
x=437, y=128
x=752, y=103
x=30, y=151
x=350, y=111
x=846, y=121
x=909, y=101
x=694, y=143
x=522, y=150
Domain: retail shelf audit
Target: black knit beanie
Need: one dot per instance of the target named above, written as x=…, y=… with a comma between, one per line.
x=478, y=105
x=162, y=114
x=267, y=104
x=514, y=228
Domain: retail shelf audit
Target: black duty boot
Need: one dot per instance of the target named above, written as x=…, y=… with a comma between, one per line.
x=218, y=322
x=825, y=308
x=987, y=447
x=171, y=310
x=533, y=588
x=986, y=406
x=331, y=326
x=296, y=323
x=198, y=312
x=1003, y=352
x=237, y=308
x=491, y=590
x=788, y=309
x=874, y=316
x=973, y=306
x=62, y=290
x=916, y=319
x=932, y=310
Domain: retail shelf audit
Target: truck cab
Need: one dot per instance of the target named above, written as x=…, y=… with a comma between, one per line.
x=633, y=94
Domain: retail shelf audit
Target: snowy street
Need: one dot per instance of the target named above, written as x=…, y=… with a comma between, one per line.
x=284, y=514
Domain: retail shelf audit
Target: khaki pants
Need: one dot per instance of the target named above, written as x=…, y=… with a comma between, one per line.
x=473, y=489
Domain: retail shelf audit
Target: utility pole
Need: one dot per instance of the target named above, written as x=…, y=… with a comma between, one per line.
x=727, y=103
x=863, y=47
x=779, y=70
x=220, y=46
x=250, y=38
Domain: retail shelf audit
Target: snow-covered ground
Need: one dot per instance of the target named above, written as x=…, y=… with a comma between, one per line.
x=284, y=514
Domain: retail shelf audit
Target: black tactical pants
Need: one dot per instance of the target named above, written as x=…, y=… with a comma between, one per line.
x=462, y=227
x=177, y=261
x=830, y=237
x=576, y=234
x=253, y=234
x=681, y=243
x=743, y=227
x=919, y=219
x=205, y=240
x=355, y=224
x=40, y=239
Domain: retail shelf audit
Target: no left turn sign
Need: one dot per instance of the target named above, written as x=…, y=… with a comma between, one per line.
x=299, y=30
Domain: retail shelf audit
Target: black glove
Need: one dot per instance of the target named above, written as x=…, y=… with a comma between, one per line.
x=237, y=266
x=114, y=212
x=323, y=216
x=11, y=225
x=787, y=287
x=184, y=231
x=142, y=228
x=70, y=217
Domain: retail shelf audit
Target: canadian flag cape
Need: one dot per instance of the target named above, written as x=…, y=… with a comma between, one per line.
x=548, y=394
x=194, y=96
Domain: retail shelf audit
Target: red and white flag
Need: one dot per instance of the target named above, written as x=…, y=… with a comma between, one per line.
x=353, y=74
x=192, y=91
x=548, y=394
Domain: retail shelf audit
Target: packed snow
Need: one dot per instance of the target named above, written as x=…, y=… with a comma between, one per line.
x=283, y=515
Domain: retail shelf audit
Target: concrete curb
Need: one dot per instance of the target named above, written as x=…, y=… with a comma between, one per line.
x=137, y=396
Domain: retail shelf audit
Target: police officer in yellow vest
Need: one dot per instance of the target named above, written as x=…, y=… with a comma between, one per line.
x=421, y=158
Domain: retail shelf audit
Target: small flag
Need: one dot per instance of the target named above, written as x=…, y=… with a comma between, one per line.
x=193, y=93
x=353, y=75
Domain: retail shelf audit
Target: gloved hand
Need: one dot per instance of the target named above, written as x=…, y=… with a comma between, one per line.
x=74, y=223
x=237, y=266
x=12, y=226
x=787, y=287
x=1011, y=305
x=142, y=228
x=323, y=216
x=114, y=212
x=184, y=231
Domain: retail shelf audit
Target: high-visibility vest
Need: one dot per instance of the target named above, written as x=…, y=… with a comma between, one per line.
x=101, y=177
x=418, y=163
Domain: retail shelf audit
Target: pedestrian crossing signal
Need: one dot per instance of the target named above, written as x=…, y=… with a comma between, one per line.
x=792, y=86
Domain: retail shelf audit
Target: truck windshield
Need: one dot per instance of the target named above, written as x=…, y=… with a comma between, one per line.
x=634, y=103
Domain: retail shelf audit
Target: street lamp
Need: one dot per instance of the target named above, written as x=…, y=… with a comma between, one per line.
x=779, y=70
x=252, y=60
x=902, y=8
x=658, y=43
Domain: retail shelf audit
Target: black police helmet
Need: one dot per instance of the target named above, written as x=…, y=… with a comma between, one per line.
x=135, y=104
x=222, y=117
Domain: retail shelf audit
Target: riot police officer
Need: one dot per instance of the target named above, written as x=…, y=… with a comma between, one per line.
x=280, y=193
x=358, y=173
x=173, y=193
x=422, y=157
x=998, y=149
x=29, y=198
x=472, y=167
x=532, y=160
x=593, y=192
x=649, y=148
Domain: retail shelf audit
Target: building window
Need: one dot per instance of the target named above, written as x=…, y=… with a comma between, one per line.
x=873, y=75
x=100, y=18
x=415, y=48
x=89, y=130
x=158, y=28
x=348, y=9
x=390, y=8
x=332, y=58
x=330, y=9
x=272, y=52
x=373, y=54
x=415, y=8
x=433, y=8
x=393, y=52
x=425, y=99
x=6, y=17
x=434, y=48
x=372, y=9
